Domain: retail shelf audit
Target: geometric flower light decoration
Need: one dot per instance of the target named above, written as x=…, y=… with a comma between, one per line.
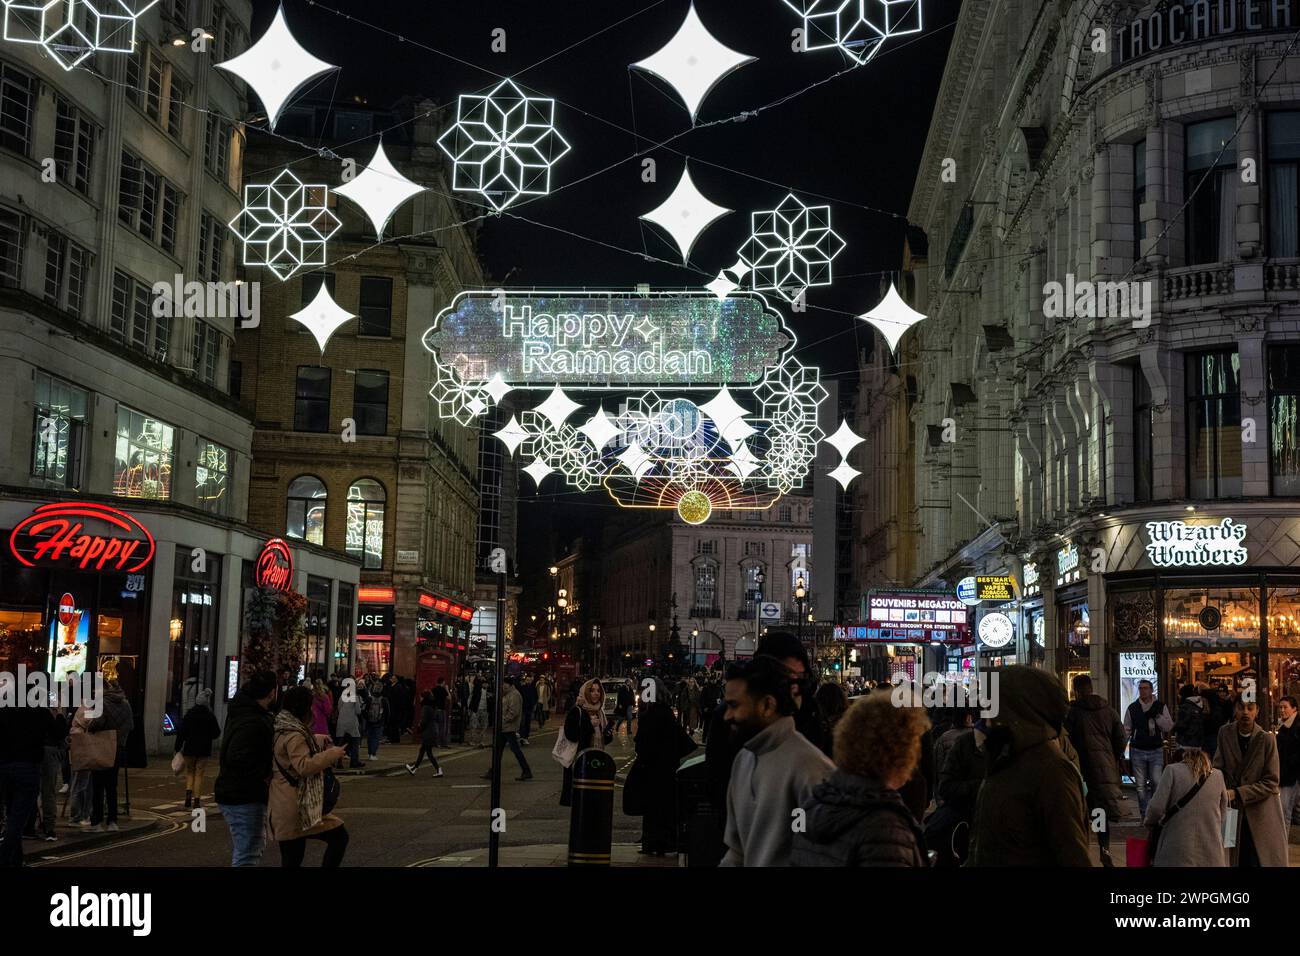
x=791, y=248
x=71, y=30
x=379, y=190
x=892, y=317
x=503, y=145
x=685, y=214
x=858, y=28
x=693, y=62
x=322, y=316
x=288, y=224
x=276, y=67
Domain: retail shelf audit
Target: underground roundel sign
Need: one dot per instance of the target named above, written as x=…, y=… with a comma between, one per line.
x=274, y=566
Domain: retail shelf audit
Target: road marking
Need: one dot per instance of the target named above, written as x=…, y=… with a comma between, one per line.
x=176, y=826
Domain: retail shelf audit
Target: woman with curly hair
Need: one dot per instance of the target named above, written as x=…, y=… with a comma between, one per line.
x=856, y=817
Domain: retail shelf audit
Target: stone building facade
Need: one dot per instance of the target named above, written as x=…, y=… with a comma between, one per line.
x=399, y=491
x=120, y=410
x=1064, y=431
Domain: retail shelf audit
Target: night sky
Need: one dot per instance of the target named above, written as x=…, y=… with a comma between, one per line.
x=853, y=141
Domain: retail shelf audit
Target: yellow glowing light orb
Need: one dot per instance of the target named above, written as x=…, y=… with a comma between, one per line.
x=695, y=507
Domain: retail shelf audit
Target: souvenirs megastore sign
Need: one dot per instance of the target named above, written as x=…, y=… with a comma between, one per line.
x=1177, y=544
x=81, y=535
x=912, y=617
x=1196, y=21
x=602, y=339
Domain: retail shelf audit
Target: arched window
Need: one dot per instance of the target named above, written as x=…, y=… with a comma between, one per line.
x=365, y=529
x=305, y=519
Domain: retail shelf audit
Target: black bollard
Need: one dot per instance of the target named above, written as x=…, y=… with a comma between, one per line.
x=591, y=822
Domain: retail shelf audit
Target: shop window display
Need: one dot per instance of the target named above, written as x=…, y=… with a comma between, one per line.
x=192, y=634
x=1283, y=642
x=1212, y=636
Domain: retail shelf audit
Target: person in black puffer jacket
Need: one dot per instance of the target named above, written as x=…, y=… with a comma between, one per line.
x=856, y=817
x=1097, y=733
x=1189, y=728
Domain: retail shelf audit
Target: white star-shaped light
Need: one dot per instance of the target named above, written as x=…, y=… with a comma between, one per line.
x=892, y=317
x=636, y=460
x=497, y=387
x=845, y=439
x=558, y=407
x=844, y=473
x=322, y=316
x=743, y=463
x=512, y=435
x=646, y=329
x=276, y=67
x=693, y=62
x=722, y=286
x=685, y=214
x=729, y=416
x=740, y=269
x=379, y=189
x=600, y=429
x=538, y=470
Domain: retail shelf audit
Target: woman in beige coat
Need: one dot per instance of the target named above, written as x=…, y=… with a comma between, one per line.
x=1247, y=755
x=296, y=806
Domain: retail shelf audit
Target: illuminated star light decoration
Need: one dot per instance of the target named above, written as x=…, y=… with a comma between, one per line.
x=686, y=214
x=790, y=396
x=844, y=441
x=379, y=190
x=503, y=145
x=693, y=62
x=858, y=28
x=455, y=398
x=892, y=317
x=71, y=30
x=791, y=247
x=289, y=224
x=322, y=316
x=276, y=67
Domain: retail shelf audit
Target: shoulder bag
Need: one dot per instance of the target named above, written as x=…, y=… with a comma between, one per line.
x=1153, y=838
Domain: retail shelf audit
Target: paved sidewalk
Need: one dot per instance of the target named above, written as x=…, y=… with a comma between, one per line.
x=547, y=854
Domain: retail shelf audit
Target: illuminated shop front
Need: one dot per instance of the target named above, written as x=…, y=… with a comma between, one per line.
x=148, y=596
x=1207, y=601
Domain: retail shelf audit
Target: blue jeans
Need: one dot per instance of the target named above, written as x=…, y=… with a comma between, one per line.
x=374, y=731
x=21, y=783
x=1290, y=802
x=247, y=840
x=1148, y=765
x=79, y=796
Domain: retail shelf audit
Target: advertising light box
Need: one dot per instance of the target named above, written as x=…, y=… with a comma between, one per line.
x=911, y=617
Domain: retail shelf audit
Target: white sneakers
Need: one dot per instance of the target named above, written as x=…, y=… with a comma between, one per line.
x=439, y=773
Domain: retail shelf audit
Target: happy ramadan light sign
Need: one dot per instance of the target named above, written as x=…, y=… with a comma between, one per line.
x=609, y=339
x=1177, y=544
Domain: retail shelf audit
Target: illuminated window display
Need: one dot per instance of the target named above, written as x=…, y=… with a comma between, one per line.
x=143, y=465
x=365, y=527
x=306, y=511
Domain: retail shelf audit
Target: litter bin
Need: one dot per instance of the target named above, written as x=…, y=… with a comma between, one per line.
x=699, y=827
x=591, y=821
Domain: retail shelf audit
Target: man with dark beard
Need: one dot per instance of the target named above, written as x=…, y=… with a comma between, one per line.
x=775, y=770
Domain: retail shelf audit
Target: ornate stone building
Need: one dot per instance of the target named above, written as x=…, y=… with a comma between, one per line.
x=1067, y=431
x=400, y=490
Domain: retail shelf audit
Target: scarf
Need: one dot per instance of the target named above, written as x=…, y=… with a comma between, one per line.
x=311, y=790
x=595, y=711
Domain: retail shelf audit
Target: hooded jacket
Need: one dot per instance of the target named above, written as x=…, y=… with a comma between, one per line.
x=1098, y=735
x=116, y=716
x=245, y=774
x=856, y=821
x=1030, y=809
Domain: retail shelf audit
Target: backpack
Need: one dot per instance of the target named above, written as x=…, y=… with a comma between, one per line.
x=375, y=709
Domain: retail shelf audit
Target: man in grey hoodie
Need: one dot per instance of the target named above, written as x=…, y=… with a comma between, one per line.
x=776, y=769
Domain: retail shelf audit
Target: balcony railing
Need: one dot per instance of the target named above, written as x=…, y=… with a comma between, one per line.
x=1194, y=282
x=1282, y=275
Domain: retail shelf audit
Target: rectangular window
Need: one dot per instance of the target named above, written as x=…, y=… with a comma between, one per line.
x=143, y=463
x=11, y=248
x=706, y=547
x=153, y=88
x=131, y=319
x=216, y=147
x=1284, y=418
x=171, y=211
x=211, y=478
x=147, y=202
x=178, y=92
x=59, y=431
x=370, y=402
x=212, y=247
x=74, y=145
x=117, y=318
x=17, y=98
x=376, y=308
x=1142, y=431
x=206, y=352
x=1283, y=140
x=1214, y=425
x=311, y=407
x=1211, y=187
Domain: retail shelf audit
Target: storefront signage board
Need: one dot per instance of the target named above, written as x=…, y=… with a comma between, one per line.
x=63, y=534
x=1177, y=544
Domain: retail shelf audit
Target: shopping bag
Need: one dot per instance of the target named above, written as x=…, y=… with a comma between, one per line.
x=565, y=750
x=1231, y=826
x=87, y=751
x=1139, y=851
x=178, y=762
